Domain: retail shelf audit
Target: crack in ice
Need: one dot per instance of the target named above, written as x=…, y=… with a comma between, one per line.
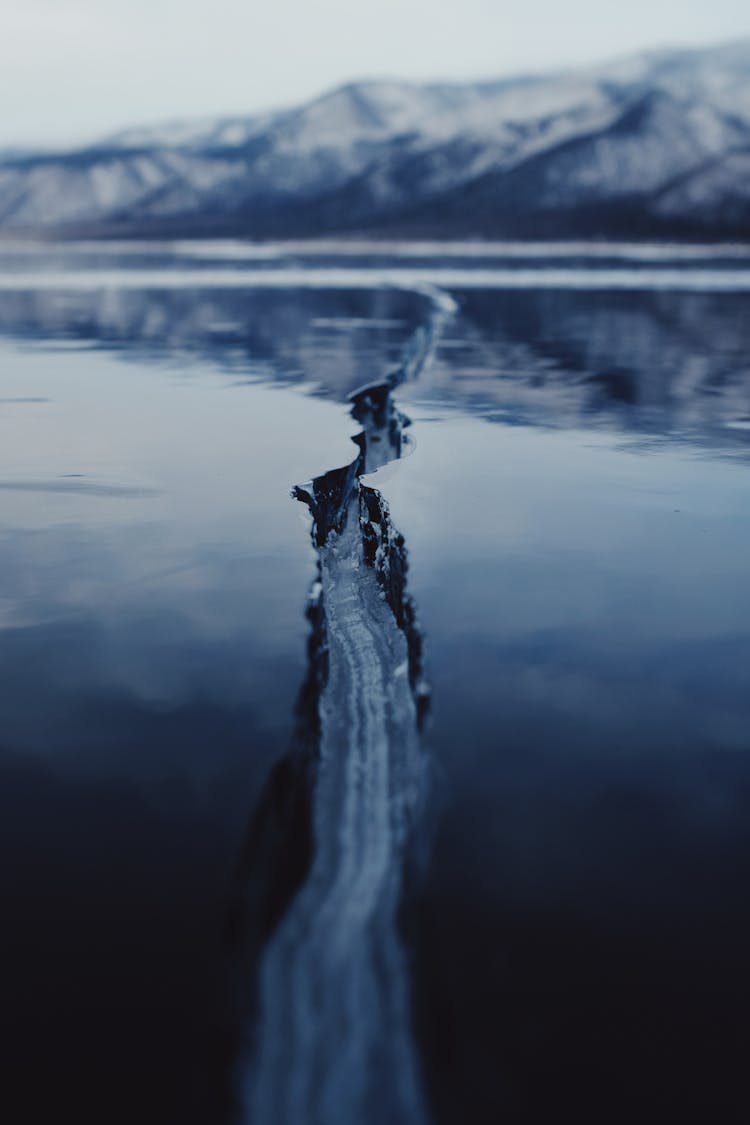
x=334, y=1043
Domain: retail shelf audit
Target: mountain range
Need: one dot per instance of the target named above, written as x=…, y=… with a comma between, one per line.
x=656, y=145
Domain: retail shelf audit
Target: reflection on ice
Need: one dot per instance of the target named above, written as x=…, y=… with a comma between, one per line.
x=652, y=362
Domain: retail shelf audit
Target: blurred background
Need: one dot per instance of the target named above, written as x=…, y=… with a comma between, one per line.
x=482, y=119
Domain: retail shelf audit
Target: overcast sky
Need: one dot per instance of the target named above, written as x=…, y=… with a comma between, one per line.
x=73, y=69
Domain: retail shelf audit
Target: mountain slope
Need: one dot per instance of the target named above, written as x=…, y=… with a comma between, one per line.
x=655, y=144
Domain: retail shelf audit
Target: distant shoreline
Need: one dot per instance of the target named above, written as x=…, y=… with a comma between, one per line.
x=239, y=248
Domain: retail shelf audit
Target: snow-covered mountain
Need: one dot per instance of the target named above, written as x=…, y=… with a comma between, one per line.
x=658, y=143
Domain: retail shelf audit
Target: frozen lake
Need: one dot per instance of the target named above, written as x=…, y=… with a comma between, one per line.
x=566, y=897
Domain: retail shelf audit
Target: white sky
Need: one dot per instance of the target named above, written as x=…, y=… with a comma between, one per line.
x=73, y=69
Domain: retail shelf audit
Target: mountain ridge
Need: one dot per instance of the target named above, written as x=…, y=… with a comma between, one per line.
x=651, y=145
